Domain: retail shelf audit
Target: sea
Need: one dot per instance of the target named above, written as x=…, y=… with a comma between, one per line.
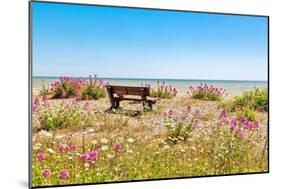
x=233, y=87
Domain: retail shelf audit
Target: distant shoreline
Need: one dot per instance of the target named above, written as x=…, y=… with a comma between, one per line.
x=153, y=79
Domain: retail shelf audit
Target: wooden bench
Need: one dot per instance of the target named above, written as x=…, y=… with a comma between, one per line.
x=119, y=93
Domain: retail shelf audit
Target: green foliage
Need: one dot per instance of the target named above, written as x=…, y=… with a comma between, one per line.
x=48, y=121
x=251, y=115
x=146, y=107
x=248, y=103
x=62, y=118
x=254, y=100
x=228, y=105
x=93, y=91
x=160, y=94
x=178, y=130
x=163, y=91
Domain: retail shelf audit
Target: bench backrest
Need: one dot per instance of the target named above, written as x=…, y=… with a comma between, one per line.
x=128, y=90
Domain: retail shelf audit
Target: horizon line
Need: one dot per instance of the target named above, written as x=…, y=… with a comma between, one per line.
x=139, y=78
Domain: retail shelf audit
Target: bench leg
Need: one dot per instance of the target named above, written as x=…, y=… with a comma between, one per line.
x=150, y=105
x=117, y=104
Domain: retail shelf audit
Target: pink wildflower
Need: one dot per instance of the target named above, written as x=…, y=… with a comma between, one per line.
x=94, y=155
x=85, y=157
x=233, y=125
x=46, y=172
x=73, y=147
x=63, y=94
x=223, y=113
x=256, y=124
x=64, y=174
x=240, y=135
x=41, y=156
x=63, y=148
x=117, y=147
x=78, y=97
x=36, y=102
x=168, y=113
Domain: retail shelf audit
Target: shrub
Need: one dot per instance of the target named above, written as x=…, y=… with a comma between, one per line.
x=66, y=87
x=163, y=90
x=255, y=100
x=64, y=117
x=206, y=92
x=94, y=89
x=249, y=100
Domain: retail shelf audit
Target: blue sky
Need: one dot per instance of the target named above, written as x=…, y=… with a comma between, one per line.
x=76, y=40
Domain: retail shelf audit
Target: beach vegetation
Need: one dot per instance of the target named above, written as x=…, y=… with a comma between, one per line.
x=178, y=130
x=66, y=87
x=94, y=89
x=44, y=90
x=78, y=88
x=207, y=92
x=162, y=90
x=64, y=116
x=247, y=113
x=256, y=99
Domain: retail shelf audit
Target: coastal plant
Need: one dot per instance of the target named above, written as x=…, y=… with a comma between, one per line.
x=230, y=141
x=162, y=90
x=146, y=107
x=44, y=90
x=177, y=129
x=66, y=87
x=94, y=89
x=63, y=115
x=206, y=92
x=256, y=99
x=248, y=114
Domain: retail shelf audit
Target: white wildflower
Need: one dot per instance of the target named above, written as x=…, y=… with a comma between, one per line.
x=104, y=141
x=86, y=165
x=130, y=151
x=94, y=142
x=130, y=140
x=104, y=148
x=50, y=150
x=110, y=156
